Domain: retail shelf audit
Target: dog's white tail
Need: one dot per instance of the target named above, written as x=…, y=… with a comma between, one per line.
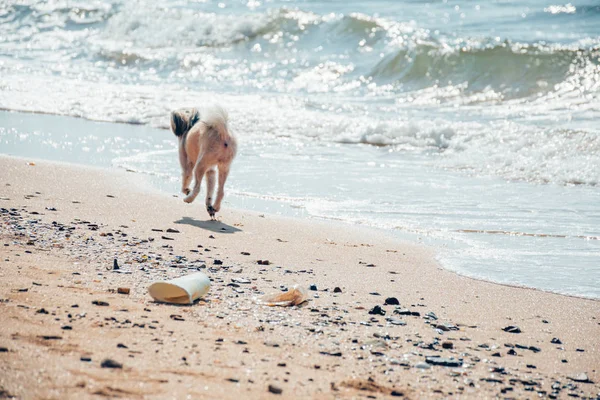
x=216, y=117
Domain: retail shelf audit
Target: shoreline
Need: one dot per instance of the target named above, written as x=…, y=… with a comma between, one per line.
x=467, y=321
x=148, y=186
x=437, y=222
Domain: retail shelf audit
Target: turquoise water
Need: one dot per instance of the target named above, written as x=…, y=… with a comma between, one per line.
x=469, y=125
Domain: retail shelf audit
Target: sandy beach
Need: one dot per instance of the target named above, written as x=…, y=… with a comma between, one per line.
x=440, y=335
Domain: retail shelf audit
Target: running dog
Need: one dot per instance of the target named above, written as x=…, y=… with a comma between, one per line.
x=205, y=146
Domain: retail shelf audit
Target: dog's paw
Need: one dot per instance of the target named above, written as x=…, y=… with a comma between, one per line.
x=185, y=191
x=211, y=211
x=188, y=199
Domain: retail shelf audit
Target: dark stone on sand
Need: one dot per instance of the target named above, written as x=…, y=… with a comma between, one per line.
x=3, y=350
x=171, y=230
x=535, y=349
x=217, y=262
x=496, y=355
x=431, y=315
x=392, y=301
x=333, y=353
x=108, y=363
x=447, y=345
x=580, y=350
x=263, y=262
x=337, y=290
x=512, y=352
x=85, y=359
x=50, y=337
x=115, y=264
x=443, y=361
x=556, y=341
x=177, y=317
x=492, y=380
x=234, y=380
x=100, y=303
x=531, y=366
x=166, y=238
x=275, y=389
x=67, y=328
x=396, y=393
x=42, y=311
x=512, y=329
x=395, y=321
x=313, y=287
x=245, y=253
x=377, y=310
x=407, y=312
x=121, y=346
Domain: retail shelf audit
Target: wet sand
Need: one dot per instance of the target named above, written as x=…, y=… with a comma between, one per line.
x=61, y=317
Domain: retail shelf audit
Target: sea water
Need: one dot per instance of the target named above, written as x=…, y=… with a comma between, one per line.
x=472, y=126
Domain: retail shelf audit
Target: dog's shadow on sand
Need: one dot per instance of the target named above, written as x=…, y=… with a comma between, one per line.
x=209, y=225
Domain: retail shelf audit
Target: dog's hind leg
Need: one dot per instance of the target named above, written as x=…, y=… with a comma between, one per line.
x=199, y=171
x=187, y=167
x=223, y=173
x=211, y=179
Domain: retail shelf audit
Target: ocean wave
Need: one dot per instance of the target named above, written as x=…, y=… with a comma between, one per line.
x=384, y=56
x=59, y=14
x=512, y=70
x=285, y=49
x=514, y=150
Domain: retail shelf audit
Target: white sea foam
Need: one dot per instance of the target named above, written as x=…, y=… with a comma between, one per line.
x=509, y=149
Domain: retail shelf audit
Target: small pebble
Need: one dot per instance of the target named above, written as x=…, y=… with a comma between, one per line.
x=377, y=310
x=108, y=363
x=275, y=389
x=392, y=301
x=512, y=329
x=583, y=378
x=422, y=365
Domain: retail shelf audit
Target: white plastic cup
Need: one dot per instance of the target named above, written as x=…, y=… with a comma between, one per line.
x=183, y=290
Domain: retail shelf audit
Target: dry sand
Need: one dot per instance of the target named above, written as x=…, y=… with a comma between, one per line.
x=62, y=227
